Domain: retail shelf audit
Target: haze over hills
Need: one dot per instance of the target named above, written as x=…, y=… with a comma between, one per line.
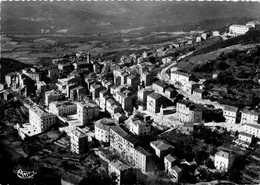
x=98, y=17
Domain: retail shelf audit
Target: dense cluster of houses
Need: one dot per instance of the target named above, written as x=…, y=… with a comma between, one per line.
x=75, y=90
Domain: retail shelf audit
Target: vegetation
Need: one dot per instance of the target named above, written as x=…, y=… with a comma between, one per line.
x=239, y=75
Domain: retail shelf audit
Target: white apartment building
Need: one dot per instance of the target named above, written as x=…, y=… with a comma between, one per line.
x=139, y=127
x=154, y=102
x=179, y=76
x=253, y=129
x=238, y=29
x=230, y=114
x=122, y=143
x=40, y=119
x=62, y=108
x=249, y=117
x=159, y=86
x=142, y=159
x=78, y=141
x=102, y=128
x=119, y=168
x=223, y=161
x=87, y=111
x=169, y=162
x=245, y=139
x=188, y=112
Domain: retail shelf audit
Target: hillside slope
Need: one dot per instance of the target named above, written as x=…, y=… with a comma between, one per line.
x=89, y=17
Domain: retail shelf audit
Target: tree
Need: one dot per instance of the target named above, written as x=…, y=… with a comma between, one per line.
x=222, y=65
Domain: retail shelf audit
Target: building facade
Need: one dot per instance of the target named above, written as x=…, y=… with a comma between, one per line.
x=40, y=119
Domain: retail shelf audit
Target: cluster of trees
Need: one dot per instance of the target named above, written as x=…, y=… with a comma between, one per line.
x=199, y=145
x=211, y=66
x=213, y=115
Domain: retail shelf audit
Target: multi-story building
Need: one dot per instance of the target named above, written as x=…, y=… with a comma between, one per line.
x=249, y=117
x=102, y=128
x=122, y=142
x=112, y=106
x=119, y=169
x=41, y=87
x=133, y=81
x=125, y=100
x=95, y=89
x=77, y=93
x=238, y=29
x=223, y=160
x=103, y=96
x=62, y=108
x=142, y=159
x=159, y=86
x=154, y=102
x=230, y=114
x=142, y=95
x=40, y=119
x=139, y=127
x=169, y=162
x=198, y=93
x=170, y=92
x=162, y=148
x=188, y=112
x=87, y=111
x=179, y=76
x=245, y=139
x=253, y=129
x=78, y=141
x=51, y=96
x=147, y=78
x=175, y=173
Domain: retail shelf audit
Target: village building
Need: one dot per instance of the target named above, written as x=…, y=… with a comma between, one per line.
x=230, y=114
x=253, y=129
x=78, y=141
x=251, y=117
x=139, y=127
x=161, y=148
x=102, y=128
x=62, y=108
x=154, y=102
x=120, y=169
x=188, y=112
x=223, y=161
x=87, y=111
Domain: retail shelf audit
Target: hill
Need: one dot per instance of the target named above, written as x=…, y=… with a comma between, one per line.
x=93, y=17
x=10, y=65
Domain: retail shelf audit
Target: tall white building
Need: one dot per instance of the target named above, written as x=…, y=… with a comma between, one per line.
x=249, y=117
x=253, y=129
x=223, y=160
x=142, y=159
x=230, y=114
x=40, y=119
x=87, y=111
x=154, y=102
x=238, y=29
x=188, y=112
x=102, y=128
x=62, y=108
x=78, y=141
